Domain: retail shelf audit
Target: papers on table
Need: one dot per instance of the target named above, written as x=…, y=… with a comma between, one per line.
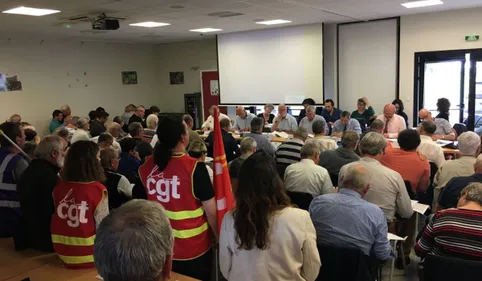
x=392, y=140
x=419, y=208
x=281, y=135
x=394, y=237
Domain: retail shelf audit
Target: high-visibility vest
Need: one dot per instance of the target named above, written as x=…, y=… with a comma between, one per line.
x=9, y=196
x=173, y=189
x=73, y=226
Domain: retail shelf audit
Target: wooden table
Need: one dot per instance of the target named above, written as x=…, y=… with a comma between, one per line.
x=16, y=266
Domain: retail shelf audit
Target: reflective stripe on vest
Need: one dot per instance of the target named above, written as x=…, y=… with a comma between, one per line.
x=7, y=186
x=77, y=259
x=9, y=204
x=188, y=233
x=182, y=215
x=73, y=241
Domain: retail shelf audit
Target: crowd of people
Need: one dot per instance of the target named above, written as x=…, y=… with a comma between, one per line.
x=92, y=187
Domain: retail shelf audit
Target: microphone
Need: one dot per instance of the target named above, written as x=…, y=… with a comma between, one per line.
x=16, y=146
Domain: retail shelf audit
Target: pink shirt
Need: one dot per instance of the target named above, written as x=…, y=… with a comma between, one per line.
x=395, y=125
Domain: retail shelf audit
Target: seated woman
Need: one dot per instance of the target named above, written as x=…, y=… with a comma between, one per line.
x=264, y=238
x=198, y=150
x=81, y=204
x=267, y=115
x=456, y=232
x=399, y=110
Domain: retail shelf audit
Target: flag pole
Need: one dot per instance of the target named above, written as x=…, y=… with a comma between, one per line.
x=15, y=145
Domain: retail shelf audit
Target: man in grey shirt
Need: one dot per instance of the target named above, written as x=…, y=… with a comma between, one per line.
x=243, y=119
x=444, y=130
x=262, y=141
x=284, y=122
x=307, y=121
x=333, y=160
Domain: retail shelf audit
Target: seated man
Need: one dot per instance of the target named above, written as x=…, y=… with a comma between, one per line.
x=130, y=161
x=247, y=148
x=97, y=126
x=450, y=194
x=428, y=147
x=262, y=141
x=290, y=151
x=345, y=220
x=118, y=186
x=230, y=144
x=456, y=232
x=208, y=125
x=469, y=148
x=306, y=176
x=330, y=112
x=193, y=136
x=56, y=121
x=346, y=124
x=394, y=123
x=105, y=140
x=136, y=131
x=376, y=126
x=444, y=130
x=243, y=119
x=326, y=142
x=307, y=121
x=284, y=122
x=333, y=160
x=138, y=116
x=405, y=160
x=144, y=222
x=82, y=132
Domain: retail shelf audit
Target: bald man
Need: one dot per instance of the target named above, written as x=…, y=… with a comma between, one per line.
x=393, y=123
x=243, y=119
x=284, y=122
x=444, y=130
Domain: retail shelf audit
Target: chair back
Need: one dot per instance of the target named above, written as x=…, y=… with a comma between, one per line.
x=300, y=199
x=346, y=264
x=427, y=196
x=334, y=179
x=437, y=268
x=363, y=124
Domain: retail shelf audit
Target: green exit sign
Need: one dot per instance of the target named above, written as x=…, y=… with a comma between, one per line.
x=472, y=38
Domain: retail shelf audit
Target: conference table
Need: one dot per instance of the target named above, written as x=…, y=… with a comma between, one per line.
x=36, y=266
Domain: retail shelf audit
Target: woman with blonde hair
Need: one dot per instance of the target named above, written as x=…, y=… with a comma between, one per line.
x=198, y=150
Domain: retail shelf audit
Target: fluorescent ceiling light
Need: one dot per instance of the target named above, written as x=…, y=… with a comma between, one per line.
x=271, y=22
x=424, y=3
x=149, y=24
x=205, y=30
x=30, y=11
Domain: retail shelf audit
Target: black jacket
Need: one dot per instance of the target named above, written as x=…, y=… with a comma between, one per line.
x=144, y=149
x=230, y=145
x=135, y=118
x=96, y=128
x=116, y=199
x=35, y=188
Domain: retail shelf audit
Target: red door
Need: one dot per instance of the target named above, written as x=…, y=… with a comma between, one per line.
x=208, y=97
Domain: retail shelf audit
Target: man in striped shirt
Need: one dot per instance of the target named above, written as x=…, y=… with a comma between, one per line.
x=456, y=232
x=290, y=151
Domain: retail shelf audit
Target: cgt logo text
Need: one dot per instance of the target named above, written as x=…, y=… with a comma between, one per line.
x=165, y=188
x=75, y=214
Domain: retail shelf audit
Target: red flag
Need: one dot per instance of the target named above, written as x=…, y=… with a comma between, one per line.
x=222, y=182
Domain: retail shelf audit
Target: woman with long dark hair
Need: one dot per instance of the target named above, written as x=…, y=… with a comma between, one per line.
x=399, y=110
x=264, y=238
x=443, y=107
x=81, y=204
x=181, y=184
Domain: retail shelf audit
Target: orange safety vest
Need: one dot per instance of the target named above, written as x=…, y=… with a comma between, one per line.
x=73, y=226
x=173, y=189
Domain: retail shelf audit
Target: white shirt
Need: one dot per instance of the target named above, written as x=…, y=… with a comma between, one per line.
x=308, y=125
x=210, y=172
x=292, y=254
x=306, y=176
x=287, y=123
x=432, y=151
x=209, y=123
x=462, y=167
x=326, y=142
x=80, y=135
x=115, y=145
x=154, y=140
x=395, y=125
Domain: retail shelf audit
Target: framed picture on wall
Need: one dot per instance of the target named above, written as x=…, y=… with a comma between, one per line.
x=176, y=78
x=129, y=77
x=10, y=83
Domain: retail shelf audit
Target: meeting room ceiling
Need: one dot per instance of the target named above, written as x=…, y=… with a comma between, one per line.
x=184, y=15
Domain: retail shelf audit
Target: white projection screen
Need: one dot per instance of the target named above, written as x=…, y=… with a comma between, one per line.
x=367, y=63
x=281, y=65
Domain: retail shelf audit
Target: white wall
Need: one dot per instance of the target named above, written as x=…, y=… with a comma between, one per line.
x=433, y=32
x=189, y=57
x=46, y=71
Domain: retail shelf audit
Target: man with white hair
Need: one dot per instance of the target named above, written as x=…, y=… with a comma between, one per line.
x=66, y=111
x=243, y=119
x=138, y=116
x=345, y=219
x=149, y=258
x=469, y=147
x=393, y=123
x=444, y=130
x=82, y=132
x=307, y=121
x=284, y=122
x=306, y=176
x=151, y=127
x=208, y=125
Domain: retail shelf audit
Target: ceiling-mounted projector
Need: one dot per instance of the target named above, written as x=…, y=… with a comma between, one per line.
x=104, y=22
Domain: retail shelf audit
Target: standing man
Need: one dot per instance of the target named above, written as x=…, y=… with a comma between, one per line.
x=444, y=130
x=56, y=121
x=346, y=124
x=138, y=116
x=243, y=119
x=394, y=123
x=330, y=112
x=12, y=166
x=307, y=121
x=284, y=122
x=208, y=125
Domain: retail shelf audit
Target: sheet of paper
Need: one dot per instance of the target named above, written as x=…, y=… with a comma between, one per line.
x=282, y=135
x=394, y=237
x=392, y=140
x=311, y=135
x=419, y=208
x=99, y=277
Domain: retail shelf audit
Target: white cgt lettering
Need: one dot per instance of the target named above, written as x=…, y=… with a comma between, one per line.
x=76, y=214
x=165, y=188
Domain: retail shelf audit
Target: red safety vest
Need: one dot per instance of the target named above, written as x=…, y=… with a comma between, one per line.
x=73, y=225
x=173, y=189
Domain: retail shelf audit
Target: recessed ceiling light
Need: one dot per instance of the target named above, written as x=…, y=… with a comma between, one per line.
x=27, y=11
x=424, y=3
x=205, y=30
x=149, y=24
x=272, y=22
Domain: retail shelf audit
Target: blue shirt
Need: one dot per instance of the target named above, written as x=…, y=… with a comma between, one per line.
x=345, y=220
x=353, y=125
x=331, y=117
x=449, y=197
x=243, y=124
